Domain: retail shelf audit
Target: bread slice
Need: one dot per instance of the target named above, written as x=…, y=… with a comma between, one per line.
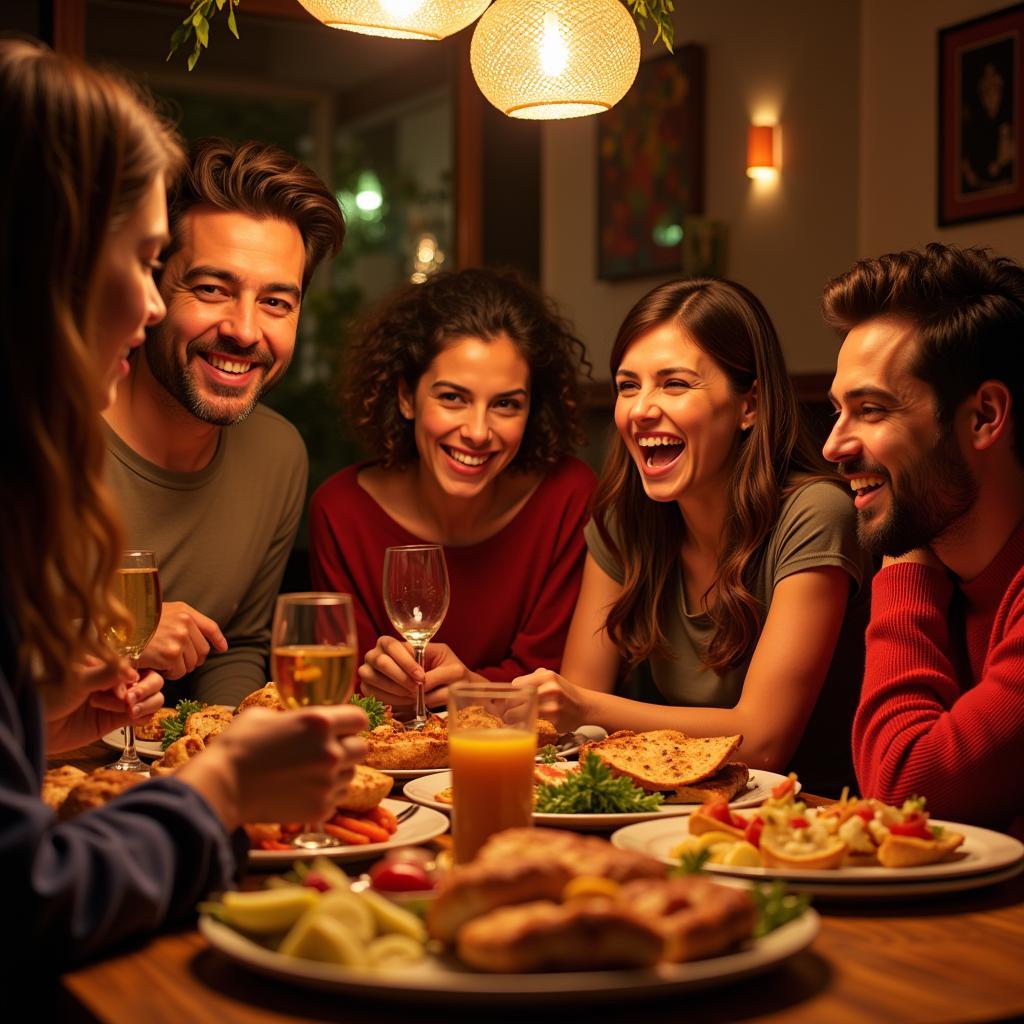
x=729, y=781
x=366, y=790
x=212, y=719
x=663, y=759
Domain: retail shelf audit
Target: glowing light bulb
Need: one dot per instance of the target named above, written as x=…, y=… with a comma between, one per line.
x=554, y=54
x=401, y=8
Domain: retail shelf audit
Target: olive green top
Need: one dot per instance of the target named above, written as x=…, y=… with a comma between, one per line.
x=816, y=527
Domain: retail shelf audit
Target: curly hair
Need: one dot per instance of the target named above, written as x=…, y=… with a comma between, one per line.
x=261, y=180
x=82, y=149
x=775, y=457
x=400, y=339
x=967, y=306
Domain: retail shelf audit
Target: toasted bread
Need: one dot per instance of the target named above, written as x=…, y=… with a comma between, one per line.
x=387, y=748
x=912, y=852
x=729, y=781
x=663, y=759
x=367, y=788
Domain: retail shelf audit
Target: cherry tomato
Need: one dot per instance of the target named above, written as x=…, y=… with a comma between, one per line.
x=914, y=829
x=399, y=876
x=752, y=833
x=798, y=822
x=719, y=810
x=315, y=881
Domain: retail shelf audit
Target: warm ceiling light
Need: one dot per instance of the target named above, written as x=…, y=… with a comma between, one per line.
x=544, y=59
x=397, y=19
x=761, y=161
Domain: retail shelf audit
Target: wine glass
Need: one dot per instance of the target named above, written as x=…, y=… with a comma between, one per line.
x=139, y=590
x=416, y=599
x=313, y=657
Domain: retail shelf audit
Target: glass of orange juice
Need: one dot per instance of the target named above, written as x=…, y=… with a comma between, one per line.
x=492, y=743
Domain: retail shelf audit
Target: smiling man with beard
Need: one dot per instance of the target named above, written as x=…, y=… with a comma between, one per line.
x=220, y=507
x=929, y=436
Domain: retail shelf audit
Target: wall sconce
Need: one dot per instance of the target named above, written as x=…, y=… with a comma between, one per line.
x=762, y=151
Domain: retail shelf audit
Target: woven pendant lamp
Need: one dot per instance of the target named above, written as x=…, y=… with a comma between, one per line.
x=397, y=19
x=546, y=59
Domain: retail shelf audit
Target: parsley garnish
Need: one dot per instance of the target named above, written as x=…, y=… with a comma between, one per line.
x=776, y=906
x=594, y=790
x=174, y=727
x=548, y=754
x=376, y=712
x=692, y=863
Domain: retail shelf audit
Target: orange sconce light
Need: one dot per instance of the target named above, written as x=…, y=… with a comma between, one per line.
x=762, y=157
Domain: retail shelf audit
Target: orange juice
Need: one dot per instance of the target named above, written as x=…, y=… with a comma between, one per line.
x=492, y=783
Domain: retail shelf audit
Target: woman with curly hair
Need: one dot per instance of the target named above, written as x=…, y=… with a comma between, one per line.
x=722, y=555
x=82, y=221
x=466, y=389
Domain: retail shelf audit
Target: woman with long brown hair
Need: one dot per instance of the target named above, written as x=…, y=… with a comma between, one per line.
x=723, y=561
x=82, y=221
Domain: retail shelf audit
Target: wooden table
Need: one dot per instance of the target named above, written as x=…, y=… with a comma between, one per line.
x=951, y=958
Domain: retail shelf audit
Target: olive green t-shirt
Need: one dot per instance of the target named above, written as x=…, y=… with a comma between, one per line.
x=816, y=527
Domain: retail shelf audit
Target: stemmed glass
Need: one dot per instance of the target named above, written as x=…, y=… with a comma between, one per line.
x=313, y=656
x=139, y=590
x=416, y=599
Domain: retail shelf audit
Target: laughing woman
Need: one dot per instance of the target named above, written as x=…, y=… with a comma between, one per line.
x=466, y=388
x=723, y=561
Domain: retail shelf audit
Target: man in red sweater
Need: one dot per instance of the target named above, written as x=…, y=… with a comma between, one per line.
x=930, y=434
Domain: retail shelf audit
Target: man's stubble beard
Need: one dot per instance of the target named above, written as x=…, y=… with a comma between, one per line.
x=932, y=497
x=180, y=383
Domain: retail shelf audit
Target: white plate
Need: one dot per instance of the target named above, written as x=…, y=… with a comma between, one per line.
x=445, y=981
x=569, y=747
x=424, y=825
x=984, y=853
x=424, y=791
x=145, y=748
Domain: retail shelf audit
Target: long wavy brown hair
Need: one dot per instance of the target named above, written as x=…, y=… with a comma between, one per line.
x=398, y=340
x=80, y=150
x=774, y=457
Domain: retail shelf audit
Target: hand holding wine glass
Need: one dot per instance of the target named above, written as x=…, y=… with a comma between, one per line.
x=139, y=590
x=313, y=657
x=416, y=600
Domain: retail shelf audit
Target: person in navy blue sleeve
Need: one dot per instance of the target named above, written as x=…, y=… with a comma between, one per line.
x=83, y=218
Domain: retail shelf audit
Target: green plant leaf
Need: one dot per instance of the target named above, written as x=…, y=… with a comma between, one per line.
x=203, y=31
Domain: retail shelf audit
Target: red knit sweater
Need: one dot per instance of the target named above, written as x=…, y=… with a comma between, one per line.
x=942, y=709
x=512, y=595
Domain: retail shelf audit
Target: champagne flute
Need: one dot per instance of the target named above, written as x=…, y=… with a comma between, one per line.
x=139, y=590
x=313, y=656
x=416, y=599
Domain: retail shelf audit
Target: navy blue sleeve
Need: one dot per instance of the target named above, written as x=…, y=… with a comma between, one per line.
x=77, y=888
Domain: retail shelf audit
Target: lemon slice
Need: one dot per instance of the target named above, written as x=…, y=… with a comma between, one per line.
x=738, y=854
x=267, y=911
x=587, y=886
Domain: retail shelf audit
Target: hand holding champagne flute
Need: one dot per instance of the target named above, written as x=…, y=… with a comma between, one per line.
x=313, y=658
x=416, y=600
x=139, y=590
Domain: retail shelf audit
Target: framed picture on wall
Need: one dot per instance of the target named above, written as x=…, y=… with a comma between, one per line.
x=650, y=167
x=981, y=97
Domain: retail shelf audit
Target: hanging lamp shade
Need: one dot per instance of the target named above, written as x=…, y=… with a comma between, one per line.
x=397, y=19
x=546, y=59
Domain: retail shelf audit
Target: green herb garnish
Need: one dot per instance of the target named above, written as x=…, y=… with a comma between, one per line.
x=692, y=863
x=376, y=712
x=594, y=790
x=548, y=754
x=776, y=906
x=174, y=727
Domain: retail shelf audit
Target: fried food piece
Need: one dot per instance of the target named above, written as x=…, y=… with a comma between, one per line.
x=266, y=697
x=546, y=733
x=212, y=719
x=477, y=717
x=58, y=782
x=367, y=788
x=697, y=917
x=391, y=748
x=663, y=759
x=152, y=726
x=546, y=936
x=520, y=865
x=177, y=754
x=97, y=789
